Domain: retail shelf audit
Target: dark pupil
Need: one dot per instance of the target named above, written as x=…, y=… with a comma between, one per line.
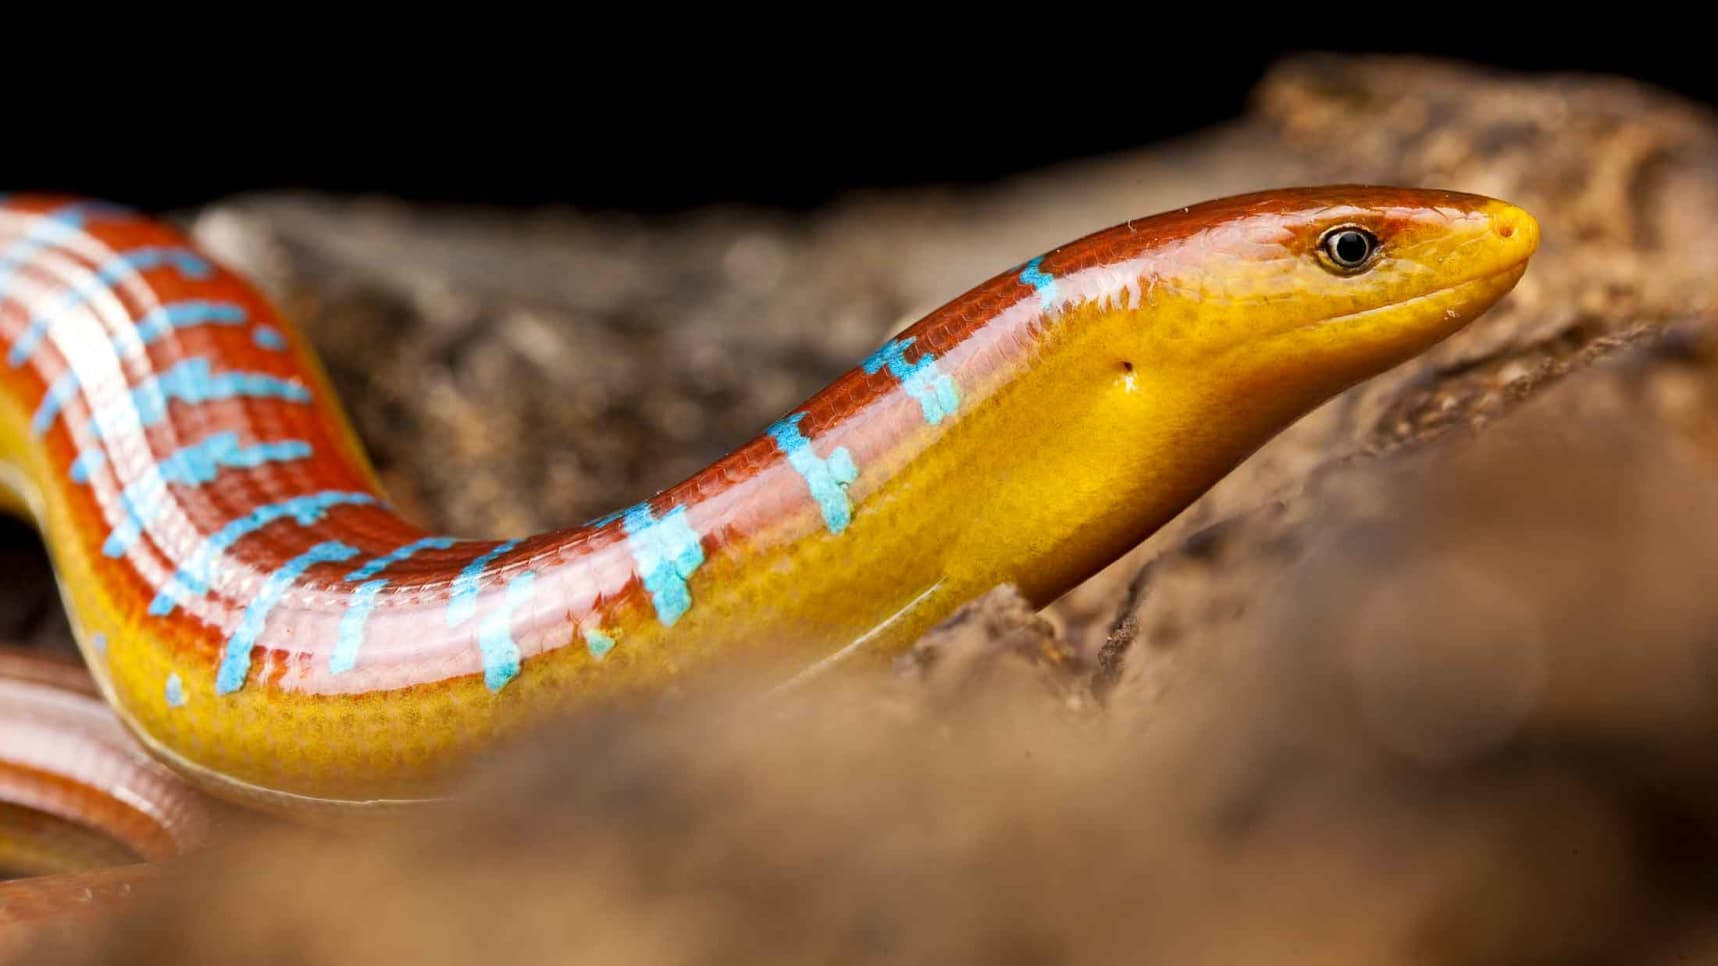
x=1350, y=247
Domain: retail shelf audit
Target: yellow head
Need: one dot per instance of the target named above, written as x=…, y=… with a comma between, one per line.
x=1191, y=338
x=1288, y=297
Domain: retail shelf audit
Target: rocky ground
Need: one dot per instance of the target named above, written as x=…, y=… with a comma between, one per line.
x=1430, y=679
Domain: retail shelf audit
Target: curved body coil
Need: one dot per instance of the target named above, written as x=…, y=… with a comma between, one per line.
x=82, y=807
x=257, y=613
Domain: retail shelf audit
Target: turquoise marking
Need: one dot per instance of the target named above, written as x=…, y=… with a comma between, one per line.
x=1042, y=281
x=351, y=634
x=268, y=337
x=175, y=691
x=666, y=553
x=936, y=393
x=179, y=315
x=195, y=465
x=827, y=479
x=495, y=634
x=192, y=382
x=598, y=644
x=193, y=576
x=62, y=391
x=147, y=332
x=86, y=463
x=63, y=221
x=350, y=638
x=99, y=642
x=198, y=463
x=187, y=262
x=236, y=663
x=463, y=603
x=141, y=502
x=392, y=557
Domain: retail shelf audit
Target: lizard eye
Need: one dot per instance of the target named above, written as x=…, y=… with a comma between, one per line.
x=1347, y=248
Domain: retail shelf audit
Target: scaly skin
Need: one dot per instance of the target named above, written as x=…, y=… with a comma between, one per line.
x=80, y=803
x=1030, y=431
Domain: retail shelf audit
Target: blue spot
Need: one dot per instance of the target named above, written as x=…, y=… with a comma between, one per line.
x=666, y=552
x=350, y=638
x=827, y=479
x=1042, y=281
x=179, y=315
x=379, y=564
x=63, y=389
x=195, y=465
x=463, y=603
x=495, y=634
x=192, y=382
x=99, y=642
x=147, y=331
x=193, y=576
x=175, y=691
x=188, y=263
x=63, y=222
x=598, y=644
x=936, y=393
x=351, y=634
x=125, y=533
x=86, y=463
x=236, y=663
x=268, y=337
x=199, y=462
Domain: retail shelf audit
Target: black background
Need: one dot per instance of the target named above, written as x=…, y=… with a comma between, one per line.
x=619, y=120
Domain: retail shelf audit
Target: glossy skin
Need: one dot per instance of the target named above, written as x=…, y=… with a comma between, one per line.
x=323, y=652
x=64, y=758
x=81, y=805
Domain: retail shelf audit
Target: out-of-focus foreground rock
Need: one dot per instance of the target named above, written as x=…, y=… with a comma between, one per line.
x=1431, y=679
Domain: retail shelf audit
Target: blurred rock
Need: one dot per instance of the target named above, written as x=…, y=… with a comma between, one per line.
x=1000, y=646
x=1465, y=720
